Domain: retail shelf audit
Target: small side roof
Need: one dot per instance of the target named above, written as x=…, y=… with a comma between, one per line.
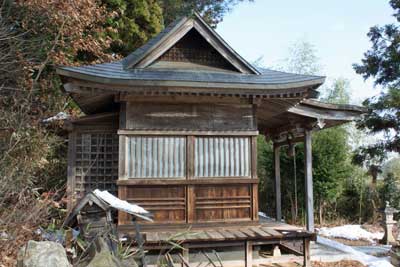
x=307, y=114
x=338, y=113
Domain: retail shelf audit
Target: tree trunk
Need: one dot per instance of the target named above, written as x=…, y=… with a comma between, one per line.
x=292, y=208
x=360, y=209
x=321, y=215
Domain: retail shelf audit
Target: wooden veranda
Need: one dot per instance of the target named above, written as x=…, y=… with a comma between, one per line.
x=293, y=240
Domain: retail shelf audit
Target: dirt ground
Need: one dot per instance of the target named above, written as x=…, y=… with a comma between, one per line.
x=352, y=242
x=320, y=264
x=338, y=264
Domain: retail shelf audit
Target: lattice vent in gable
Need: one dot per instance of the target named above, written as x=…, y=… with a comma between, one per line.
x=193, y=48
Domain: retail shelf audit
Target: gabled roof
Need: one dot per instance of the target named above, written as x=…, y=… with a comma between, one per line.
x=153, y=49
x=186, y=57
x=143, y=69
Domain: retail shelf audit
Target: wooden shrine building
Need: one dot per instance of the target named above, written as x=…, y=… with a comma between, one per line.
x=173, y=126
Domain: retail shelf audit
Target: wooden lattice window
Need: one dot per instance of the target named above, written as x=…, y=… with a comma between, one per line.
x=96, y=162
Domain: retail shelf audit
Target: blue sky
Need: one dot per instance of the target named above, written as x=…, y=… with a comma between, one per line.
x=336, y=28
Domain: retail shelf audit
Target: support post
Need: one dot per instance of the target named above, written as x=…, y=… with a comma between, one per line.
x=185, y=256
x=306, y=253
x=278, y=201
x=308, y=181
x=248, y=253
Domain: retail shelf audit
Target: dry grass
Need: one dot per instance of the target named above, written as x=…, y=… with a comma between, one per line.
x=21, y=218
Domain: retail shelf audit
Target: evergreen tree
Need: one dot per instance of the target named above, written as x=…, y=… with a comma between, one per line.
x=382, y=63
x=212, y=11
x=135, y=21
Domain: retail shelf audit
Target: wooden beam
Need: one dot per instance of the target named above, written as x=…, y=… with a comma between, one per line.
x=184, y=181
x=308, y=181
x=278, y=204
x=184, y=99
x=187, y=132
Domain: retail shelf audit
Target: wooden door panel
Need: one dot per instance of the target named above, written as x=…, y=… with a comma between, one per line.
x=167, y=203
x=222, y=203
x=208, y=203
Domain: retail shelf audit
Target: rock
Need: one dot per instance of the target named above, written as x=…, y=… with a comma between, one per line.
x=100, y=255
x=42, y=254
x=130, y=262
x=103, y=256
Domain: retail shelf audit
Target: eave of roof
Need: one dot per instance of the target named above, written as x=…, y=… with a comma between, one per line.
x=115, y=74
x=320, y=110
x=320, y=104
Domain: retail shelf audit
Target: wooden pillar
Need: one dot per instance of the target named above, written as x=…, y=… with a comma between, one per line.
x=306, y=252
x=190, y=189
x=248, y=253
x=71, y=171
x=278, y=201
x=308, y=181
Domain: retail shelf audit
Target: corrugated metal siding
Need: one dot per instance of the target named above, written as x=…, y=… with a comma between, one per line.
x=156, y=157
x=222, y=157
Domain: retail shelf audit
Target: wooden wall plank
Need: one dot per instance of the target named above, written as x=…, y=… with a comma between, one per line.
x=142, y=116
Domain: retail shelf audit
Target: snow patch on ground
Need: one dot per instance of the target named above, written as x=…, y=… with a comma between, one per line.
x=350, y=232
